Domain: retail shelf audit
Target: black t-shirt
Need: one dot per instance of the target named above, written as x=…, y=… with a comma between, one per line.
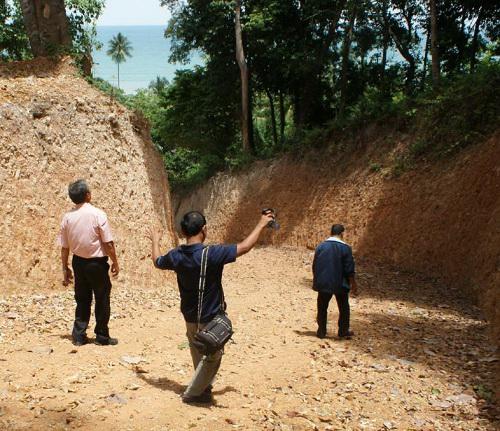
x=186, y=262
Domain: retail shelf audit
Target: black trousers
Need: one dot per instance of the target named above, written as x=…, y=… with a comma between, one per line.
x=91, y=276
x=344, y=311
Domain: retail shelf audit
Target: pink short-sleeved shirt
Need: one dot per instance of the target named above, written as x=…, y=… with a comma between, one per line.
x=84, y=229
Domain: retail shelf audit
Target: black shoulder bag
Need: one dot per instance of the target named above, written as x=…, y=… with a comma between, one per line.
x=219, y=330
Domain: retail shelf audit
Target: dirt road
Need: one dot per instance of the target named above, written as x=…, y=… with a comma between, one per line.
x=421, y=360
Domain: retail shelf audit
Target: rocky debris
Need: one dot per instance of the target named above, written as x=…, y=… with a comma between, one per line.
x=275, y=376
x=39, y=110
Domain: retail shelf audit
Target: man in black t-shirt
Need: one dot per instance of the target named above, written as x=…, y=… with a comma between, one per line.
x=186, y=261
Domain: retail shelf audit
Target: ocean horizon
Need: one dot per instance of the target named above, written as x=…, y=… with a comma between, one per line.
x=150, y=53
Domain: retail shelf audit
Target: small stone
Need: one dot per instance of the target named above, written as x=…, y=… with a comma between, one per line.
x=133, y=360
x=441, y=404
x=116, y=398
x=462, y=399
x=42, y=350
x=133, y=387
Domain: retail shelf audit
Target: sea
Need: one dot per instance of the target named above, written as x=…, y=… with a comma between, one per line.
x=150, y=53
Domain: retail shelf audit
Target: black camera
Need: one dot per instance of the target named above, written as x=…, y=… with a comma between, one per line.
x=273, y=224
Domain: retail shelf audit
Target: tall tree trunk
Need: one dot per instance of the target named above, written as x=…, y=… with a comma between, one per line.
x=462, y=40
x=346, y=50
x=47, y=26
x=282, y=118
x=118, y=64
x=245, y=84
x=475, y=41
x=434, y=44
x=273, y=117
x=404, y=50
x=426, y=55
x=385, y=44
x=309, y=108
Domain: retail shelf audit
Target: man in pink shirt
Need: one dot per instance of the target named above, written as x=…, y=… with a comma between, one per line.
x=85, y=232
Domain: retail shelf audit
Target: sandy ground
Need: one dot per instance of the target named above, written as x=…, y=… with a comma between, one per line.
x=421, y=359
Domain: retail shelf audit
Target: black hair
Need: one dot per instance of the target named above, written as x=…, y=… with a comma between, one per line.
x=192, y=223
x=337, y=229
x=77, y=191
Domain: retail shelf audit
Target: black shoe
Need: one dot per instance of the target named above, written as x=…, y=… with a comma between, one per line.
x=204, y=398
x=106, y=342
x=346, y=335
x=321, y=333
x=80, y=342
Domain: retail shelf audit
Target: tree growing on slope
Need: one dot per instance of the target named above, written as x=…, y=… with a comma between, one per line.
x=119, y=49
x=47, y=25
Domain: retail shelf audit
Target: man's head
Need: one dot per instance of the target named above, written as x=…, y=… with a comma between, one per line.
x=337, y=230
x=79, y=192
x=193, y=223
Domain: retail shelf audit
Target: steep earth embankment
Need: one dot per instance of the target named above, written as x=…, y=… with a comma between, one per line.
x=55, y=128
x=441, y=219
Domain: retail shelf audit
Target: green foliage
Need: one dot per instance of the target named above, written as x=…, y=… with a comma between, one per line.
x=465, y=109
x=14, y=43
x=375, y=167
x=83, y=15
x=188, y=168
x=198, y=113
x=333, y=67
x=110, y=90
x=485, y=393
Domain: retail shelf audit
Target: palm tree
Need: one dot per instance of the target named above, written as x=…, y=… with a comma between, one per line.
x=119, y=50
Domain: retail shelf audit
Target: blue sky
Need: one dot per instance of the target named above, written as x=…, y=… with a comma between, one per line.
x=133, y=12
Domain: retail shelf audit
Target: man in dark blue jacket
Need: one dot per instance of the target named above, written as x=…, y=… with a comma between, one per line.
x=333, y=274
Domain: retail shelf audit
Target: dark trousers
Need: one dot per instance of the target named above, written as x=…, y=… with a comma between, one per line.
x=344, y=311
x=91, y=276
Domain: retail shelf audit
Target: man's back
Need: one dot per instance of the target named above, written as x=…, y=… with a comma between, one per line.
x=333, y=263
x=84, y=229
x=186, y=262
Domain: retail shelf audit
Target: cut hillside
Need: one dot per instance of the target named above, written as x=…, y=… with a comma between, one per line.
x=55, y=128
x=440, y=219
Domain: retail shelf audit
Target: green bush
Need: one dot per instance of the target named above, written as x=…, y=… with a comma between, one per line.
x=188, y=168
x=462, y=111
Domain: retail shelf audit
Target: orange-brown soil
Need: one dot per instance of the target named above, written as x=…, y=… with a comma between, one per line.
x=54, y=129
x=426, y=242
x=440, y=219
x=421, y=359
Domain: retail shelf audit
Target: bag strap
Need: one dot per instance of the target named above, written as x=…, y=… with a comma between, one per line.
x=201, y=283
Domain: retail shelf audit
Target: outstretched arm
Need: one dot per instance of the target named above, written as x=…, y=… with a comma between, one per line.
x=155, y=236
x=249, y=242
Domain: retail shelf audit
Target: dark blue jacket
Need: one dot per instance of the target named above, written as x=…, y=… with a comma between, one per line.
x=333, y=264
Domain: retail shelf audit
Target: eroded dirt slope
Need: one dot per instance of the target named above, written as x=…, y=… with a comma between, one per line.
x=55, y=128
x=441, y=219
